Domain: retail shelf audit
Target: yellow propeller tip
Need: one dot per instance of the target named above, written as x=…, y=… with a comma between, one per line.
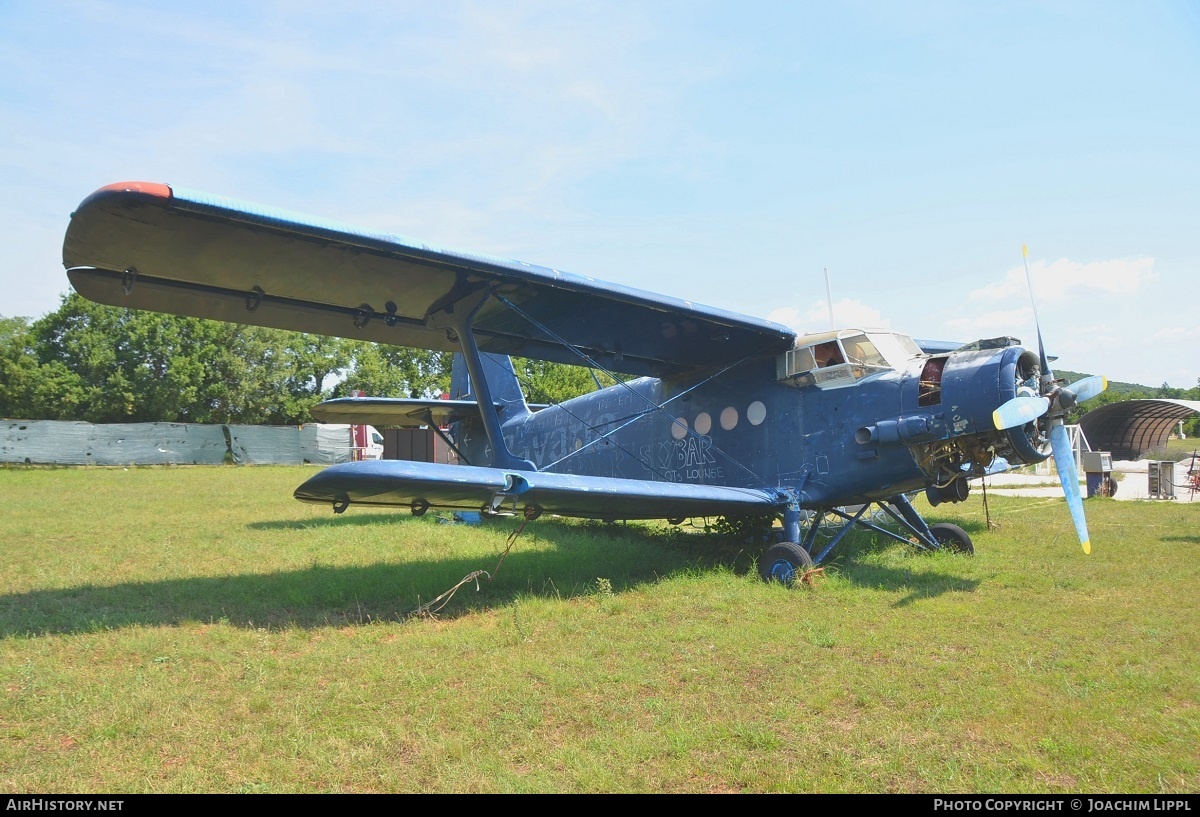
x=1025, y=250
x=1087, y=546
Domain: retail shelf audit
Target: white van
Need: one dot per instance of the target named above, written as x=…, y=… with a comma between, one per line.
x=374, y=446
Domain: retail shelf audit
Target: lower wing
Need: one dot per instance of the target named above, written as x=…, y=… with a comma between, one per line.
x=421, y=485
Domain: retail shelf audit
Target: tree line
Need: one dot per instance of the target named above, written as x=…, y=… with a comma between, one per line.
x=1118, y=392
x=103, y=364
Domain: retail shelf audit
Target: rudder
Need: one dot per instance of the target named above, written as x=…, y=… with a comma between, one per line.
x=501, y=378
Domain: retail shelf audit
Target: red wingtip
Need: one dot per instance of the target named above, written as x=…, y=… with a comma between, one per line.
x=162, y=191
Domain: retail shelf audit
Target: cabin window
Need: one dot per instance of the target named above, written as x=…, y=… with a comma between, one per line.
x=797, y=361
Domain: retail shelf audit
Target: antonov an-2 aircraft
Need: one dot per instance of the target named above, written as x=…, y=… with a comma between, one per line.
x=723, y=414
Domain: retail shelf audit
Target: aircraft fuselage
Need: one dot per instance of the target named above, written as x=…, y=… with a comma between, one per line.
x=890, y=433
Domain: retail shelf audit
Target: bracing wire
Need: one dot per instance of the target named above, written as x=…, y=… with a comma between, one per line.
x=594, y=364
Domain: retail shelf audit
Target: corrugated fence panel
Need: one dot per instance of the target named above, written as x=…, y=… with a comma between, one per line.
x=49, y=442
x=325, y=445
x=157, y=444
x=46, y=442
x=265, y=445
x=53, y=442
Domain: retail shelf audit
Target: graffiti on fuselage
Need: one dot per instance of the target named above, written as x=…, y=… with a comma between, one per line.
x=570, y=446
x=688, y=460
x=546, y=440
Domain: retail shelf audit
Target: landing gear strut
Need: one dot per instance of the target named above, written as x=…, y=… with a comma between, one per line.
x=783, y=562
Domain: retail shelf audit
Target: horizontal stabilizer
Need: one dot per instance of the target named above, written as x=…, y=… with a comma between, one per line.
x=395, y=411
x=425, y=484
x=400, y=412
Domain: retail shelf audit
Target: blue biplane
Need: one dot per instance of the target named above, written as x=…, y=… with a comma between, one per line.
x=722, y=414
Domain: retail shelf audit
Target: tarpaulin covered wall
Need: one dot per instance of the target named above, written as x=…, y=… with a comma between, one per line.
x=52, y=442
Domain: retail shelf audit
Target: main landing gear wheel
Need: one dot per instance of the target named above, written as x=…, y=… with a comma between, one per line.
x=952, y=538
x=785, y=563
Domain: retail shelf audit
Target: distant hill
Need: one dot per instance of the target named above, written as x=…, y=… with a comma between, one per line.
x=1115, y=386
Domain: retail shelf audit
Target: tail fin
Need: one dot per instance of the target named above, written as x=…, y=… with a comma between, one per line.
x=501, y=378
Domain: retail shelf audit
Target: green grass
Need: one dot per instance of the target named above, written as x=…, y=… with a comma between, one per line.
x=196, y=629
x=1175, y=449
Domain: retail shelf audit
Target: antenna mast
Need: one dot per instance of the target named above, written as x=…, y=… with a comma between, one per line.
x=829, y=298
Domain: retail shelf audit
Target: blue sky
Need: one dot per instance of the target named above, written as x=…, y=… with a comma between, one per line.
x=725, y=152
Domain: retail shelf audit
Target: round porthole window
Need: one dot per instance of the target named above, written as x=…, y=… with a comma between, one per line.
x=756, y=412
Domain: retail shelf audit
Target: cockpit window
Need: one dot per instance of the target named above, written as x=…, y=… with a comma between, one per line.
x=860, y=350
x=828, y=354
x=836, y=359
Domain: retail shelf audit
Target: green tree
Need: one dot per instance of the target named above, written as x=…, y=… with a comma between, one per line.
x=16, y=368
x=253, y=379
x=87, y=361
x=106, y=364
x=12, y=328
x=382, y=370
x=1103, y=399
x=545, y=382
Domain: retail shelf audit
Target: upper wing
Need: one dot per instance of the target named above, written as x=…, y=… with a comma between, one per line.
x=151, y=246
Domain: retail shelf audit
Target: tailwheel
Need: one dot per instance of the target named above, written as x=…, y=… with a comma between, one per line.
x=785, y=563
x=952, y=538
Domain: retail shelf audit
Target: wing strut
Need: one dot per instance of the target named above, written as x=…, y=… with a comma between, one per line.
x=446, y=439
x=457, y=317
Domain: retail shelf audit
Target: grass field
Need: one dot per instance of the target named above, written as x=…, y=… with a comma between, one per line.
x=197, y=630
x=1177, y=449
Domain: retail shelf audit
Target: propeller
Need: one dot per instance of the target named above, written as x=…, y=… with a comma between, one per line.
x=1053, y=402
x=1020, y=410
x=1025, y=408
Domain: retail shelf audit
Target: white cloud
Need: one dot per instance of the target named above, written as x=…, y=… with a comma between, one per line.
x=788, y=316
x=1177, y=333
x=1063, y=279
x=991, y=323
x=847, y=313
